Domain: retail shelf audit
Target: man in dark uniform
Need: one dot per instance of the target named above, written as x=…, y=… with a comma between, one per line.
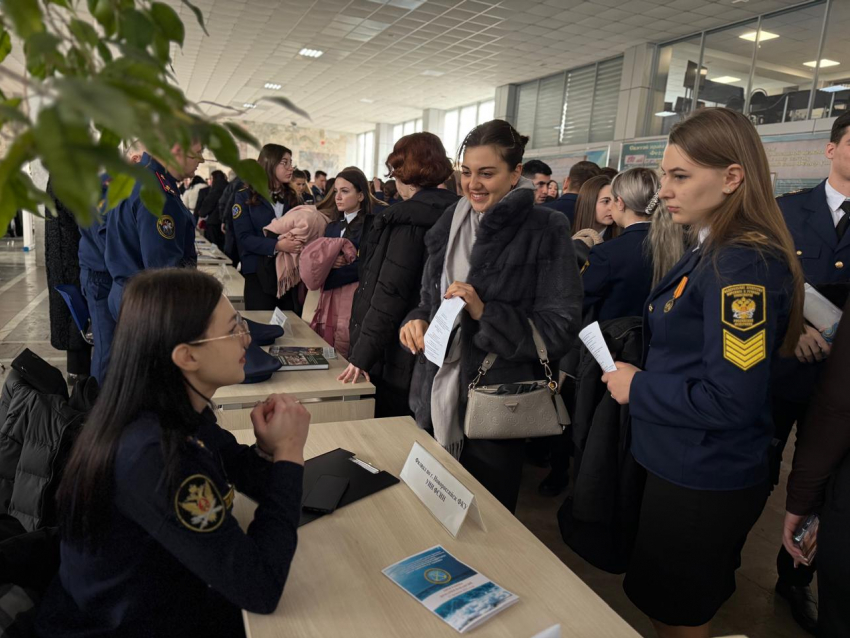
x=818, y=219
x=579, y=174
x=137, y=239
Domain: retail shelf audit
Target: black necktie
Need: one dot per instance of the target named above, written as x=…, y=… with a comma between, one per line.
x=841, y=227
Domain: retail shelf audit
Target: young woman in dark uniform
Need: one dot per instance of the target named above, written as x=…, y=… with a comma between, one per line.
x=700, y=408
x=150, y=546
x=620, y=274
x=251, y=214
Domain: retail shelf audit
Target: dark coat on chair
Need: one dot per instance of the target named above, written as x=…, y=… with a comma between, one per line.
x=391, y=263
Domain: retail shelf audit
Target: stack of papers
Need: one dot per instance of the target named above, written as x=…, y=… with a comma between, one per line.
x=458, y=594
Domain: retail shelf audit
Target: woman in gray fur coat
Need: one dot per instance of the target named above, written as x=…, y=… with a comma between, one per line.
x=510, y=261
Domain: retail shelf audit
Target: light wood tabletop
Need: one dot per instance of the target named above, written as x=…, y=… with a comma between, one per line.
x=309, y=386
x=231, y=279
x=336, y=587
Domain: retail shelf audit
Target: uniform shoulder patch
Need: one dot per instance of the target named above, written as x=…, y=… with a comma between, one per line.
x=796, y=192
x=198, y=504
x=237, y=211
x=745, y=353
x=165, y=226
x=743, y=306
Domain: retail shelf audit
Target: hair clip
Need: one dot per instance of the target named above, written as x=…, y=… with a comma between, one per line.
x=653, y=203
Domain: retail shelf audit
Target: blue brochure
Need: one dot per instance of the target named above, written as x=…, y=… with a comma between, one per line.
x=455, y=592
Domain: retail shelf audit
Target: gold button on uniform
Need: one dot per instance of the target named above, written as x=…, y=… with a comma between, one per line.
x=799, y=253
x=651, y=308
x=839, y=264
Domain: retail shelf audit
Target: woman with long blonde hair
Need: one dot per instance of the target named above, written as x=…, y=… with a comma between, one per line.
x=700, y=407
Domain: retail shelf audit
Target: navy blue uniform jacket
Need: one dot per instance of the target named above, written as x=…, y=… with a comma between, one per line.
x=701, y=409
x=566, y=204
x=825, y=260
x=618, y=277
x=349, y=274
x=249, y=220
x=173, y=557
x=92, y=249
x=137, y=239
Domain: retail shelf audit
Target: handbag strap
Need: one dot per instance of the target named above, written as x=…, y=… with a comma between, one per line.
x=542, y=354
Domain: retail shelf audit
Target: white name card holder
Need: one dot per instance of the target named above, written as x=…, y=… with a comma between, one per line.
x=444, y=496
x=278, y=318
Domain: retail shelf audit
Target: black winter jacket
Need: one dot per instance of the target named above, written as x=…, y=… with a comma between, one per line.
x=61, y=257
x=392, y=260
x=37, y=431
x=599, y=520
x=522, y=266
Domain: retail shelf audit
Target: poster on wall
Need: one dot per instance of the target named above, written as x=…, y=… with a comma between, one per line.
x=319, y=162
x=561, y=164
x=647, y=154
x=796, y=161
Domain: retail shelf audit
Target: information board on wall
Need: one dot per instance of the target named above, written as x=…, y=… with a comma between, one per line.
x=796, y=161
x=647, y=154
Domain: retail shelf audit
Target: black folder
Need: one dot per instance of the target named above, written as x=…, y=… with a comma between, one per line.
x=362, y=482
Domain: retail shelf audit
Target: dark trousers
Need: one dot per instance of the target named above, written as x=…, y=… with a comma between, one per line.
x=96, y=287
x=497, y=465
x=834, y=557
x=785, y=414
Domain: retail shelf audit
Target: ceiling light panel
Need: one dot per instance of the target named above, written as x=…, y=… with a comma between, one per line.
x=763, y=37
x=725, y=79
x=823, y=63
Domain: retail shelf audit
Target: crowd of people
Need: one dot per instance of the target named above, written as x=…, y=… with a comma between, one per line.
x=698, y=255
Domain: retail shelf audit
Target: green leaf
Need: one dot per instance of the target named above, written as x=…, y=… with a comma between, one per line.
x=25, y=16
x=287, y=104
x=136, y=29
x=169, y=22
x=9, y=112
x=222, y=144
x=98, y=101
x=60, y=3
x=84, y=32
x=241, y=134
x=153, y=199
x=251, y=172
x=120, y=188
x=162, y=48
x=42, y=45
x=108, y=139
x=104, y=13
x=198, y=15
x=5, y=44
x=105, y=53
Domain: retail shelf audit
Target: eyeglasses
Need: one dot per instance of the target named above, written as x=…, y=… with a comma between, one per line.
x=287, y=163
x=241, y=331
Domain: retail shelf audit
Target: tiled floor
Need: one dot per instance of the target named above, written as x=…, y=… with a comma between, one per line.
x=754, y=610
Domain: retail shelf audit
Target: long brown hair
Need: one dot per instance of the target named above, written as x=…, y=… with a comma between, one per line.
x=160, y=309
x=270, y=156
x=750, y=216
x=588, y=194
x=665, y=242
x=361, y=184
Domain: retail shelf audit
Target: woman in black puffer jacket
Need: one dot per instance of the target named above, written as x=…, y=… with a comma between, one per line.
x=392, y=259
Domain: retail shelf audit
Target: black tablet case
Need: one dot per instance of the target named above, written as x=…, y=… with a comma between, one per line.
x=362, y=483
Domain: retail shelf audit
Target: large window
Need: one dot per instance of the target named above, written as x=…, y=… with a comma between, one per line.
x=459, y=122
x=764, y=68
x=571, y=107
x=366, y=153
x=406, y=128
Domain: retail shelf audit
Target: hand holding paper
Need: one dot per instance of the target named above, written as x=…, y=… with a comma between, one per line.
x=440, y=330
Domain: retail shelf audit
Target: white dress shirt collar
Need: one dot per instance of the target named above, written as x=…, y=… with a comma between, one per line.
x=834, y=199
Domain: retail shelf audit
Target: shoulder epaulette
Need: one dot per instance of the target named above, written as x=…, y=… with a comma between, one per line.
x=796, y=192
x=244, y=188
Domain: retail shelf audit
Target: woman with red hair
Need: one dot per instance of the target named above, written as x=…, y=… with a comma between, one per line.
x=392, y=259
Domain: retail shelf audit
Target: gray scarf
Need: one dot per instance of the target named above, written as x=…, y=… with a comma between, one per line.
x=445, y=395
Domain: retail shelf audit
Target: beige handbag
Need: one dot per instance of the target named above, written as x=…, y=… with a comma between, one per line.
x=536, y=410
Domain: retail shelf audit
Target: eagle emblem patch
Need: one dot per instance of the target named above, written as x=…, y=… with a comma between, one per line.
x=165, y=226
x=198, y=504
x=743, y=306
x=237, y=211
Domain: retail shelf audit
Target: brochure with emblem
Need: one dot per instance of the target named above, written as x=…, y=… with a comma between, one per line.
x=458, y=594
x=292, y=358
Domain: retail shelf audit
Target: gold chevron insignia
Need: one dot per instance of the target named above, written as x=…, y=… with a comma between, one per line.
x=745, y=353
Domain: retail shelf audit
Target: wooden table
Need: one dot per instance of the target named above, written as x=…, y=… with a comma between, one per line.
x=336, y=587
x=231, y=279
x=326, y=398
x=208, y=253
